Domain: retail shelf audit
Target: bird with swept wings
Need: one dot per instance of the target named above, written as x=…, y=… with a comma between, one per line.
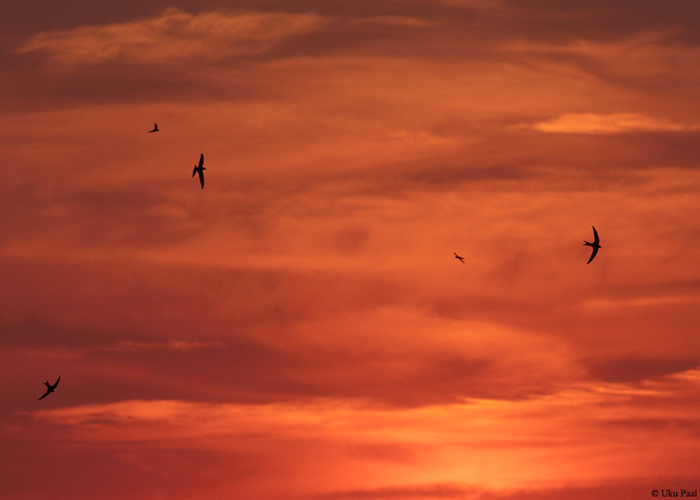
x=200, y=170
x=49, y=388
x=595, y=245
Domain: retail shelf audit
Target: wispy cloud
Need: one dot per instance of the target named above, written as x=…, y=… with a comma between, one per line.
x=405, y=21
x=641, y=302
x=172, y=36
x=178, y=345
x=611, y=123
x=422, y=492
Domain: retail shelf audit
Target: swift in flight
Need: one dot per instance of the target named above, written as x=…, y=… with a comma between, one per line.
x=461, y=259
x=595, y=245
x=155, y=128
x=200, y=170
x=49, y=388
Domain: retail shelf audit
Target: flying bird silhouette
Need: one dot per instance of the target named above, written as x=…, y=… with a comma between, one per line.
x=155, y=128
x=595, y=245
x=461, y=259
x=49, y=388
x=200, y=170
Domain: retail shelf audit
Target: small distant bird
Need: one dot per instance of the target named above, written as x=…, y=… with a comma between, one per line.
x=200, y=170
x=155, y=128
x=461, y=259
x=49, y=388
x=595, y=245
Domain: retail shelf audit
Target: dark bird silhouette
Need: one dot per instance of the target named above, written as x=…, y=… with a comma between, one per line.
x=155, y=128
x=595, y=245
x=49, y=388
x=200, y=170
x=461, y=259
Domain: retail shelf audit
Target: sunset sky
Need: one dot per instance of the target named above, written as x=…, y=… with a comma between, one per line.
x=299, y=329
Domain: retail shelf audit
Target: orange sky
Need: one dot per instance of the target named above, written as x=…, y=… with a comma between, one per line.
x=300, y=328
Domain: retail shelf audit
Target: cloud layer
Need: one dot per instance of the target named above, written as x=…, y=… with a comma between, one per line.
x=592, y=123
x=172, y=37
x=300, y=328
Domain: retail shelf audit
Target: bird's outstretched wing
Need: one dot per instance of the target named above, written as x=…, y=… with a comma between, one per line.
x=42, y=397
x=57, y=381
x=594, y=246
x=593, y=254
x=201, y=160
x=194, y=171
x=201, y=178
